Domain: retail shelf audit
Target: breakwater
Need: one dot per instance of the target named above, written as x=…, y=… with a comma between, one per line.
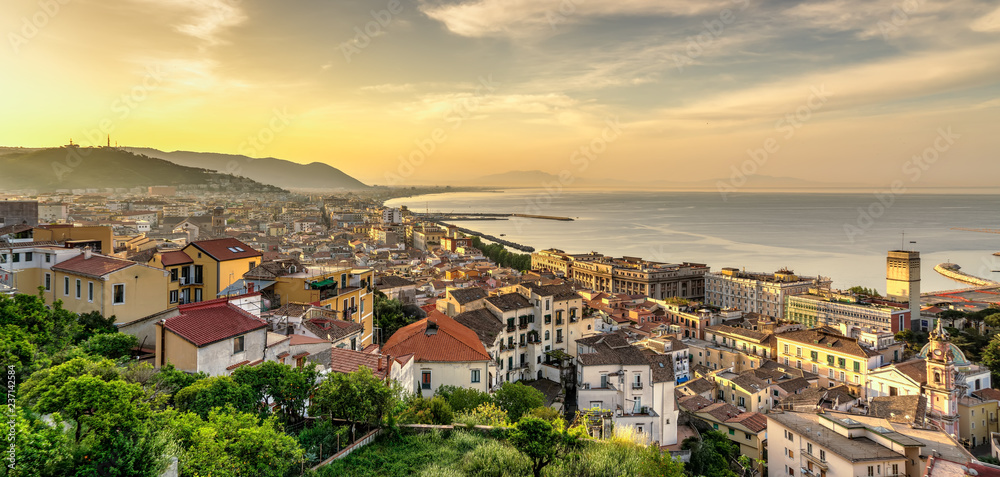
x=505, y=243
x=954, y=272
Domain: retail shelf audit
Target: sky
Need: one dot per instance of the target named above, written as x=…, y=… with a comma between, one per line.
x=860, y=92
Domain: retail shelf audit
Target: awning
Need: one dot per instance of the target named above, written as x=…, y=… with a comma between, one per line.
x=242, y=286
x=323, y=283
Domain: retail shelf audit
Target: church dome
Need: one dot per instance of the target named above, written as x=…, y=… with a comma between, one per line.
x=960, y=359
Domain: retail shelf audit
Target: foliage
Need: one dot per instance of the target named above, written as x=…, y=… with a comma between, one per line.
x=988, y=459
x=991, y=358
x=612, y=459
x=406, y=454
x=860, y=290
x=92, y=324
x=993, y=321
x=287, y=388
x=517, y=399
x=321, y=440
x=42, y=449
x=102, y=407
x=390, y=315
x=462, y=399
x=538, y=440
x=234, y=443
x=434, y=410
x=358, y=397
x=495, y=459
x=711, y=455
x=169, y=380
x=547, y=413
x=33, y=334
x=503, y=257
x=486, y=414
x=207, y=394
x=110, y=345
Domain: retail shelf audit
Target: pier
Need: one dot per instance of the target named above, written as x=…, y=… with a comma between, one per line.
x=487, y=216
x=953, y=272
x=505, y=243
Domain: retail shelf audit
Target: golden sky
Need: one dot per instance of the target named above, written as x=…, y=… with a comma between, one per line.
x=844, y=91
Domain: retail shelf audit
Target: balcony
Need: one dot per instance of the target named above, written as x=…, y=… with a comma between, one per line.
x=636, y=385
x=822, y=463
x=523, y=326
x=587, y=386
x=559, y=339
x=559, y=321
x=511, y=328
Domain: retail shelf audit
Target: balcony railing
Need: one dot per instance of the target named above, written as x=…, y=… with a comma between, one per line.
x=559, y=339
x=636, y=385
x=523, y=326
x=510, y=328
x=822, y=463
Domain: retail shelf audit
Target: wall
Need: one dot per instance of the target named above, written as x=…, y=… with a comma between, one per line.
x=216, y=357
x=175, y=350
x=453, y=374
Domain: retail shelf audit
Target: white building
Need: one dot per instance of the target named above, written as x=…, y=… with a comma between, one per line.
x=762, y=293
x=635, y=385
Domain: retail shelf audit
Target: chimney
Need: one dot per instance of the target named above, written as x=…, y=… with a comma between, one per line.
x=87, y=253
x=380, y=363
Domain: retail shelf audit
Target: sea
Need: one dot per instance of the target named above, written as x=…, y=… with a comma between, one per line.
x=844, y=236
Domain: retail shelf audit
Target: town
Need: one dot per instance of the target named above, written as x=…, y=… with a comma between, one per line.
x=211, y=288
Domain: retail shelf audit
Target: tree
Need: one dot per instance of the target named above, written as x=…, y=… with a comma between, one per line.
x=949, y=316
x=433, y=410
x=538, y=440
x=390, y=315
x=991, y=358
x=42, y=449
x=233, y=443
x=462, y=399
x=358, y=397
x=168, y=380
x=993, y=321
x=93, y=323
x=101, y=407
x=712, y=455
x=110, y=345
x=215, y=392
x=486, y=414
x=517, y=399
x=285, y=387
x=860, y=290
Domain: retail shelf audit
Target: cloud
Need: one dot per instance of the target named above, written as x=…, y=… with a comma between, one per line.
x=388, y=88
x=525, y=18
x=207, y=20
x=987, y=23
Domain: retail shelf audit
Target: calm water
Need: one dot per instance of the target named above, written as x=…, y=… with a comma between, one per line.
x=809, y=233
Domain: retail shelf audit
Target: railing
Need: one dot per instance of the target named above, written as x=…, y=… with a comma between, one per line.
x=559, y=339
x=822, y=463
x=510, y=328
x=523, y=326
x=636, y=385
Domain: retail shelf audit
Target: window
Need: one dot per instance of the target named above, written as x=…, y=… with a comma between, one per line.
x=3, y=258
x=118, y=294
x=238, y=343
x=198, y=273
x=715, y=426
x=90, y=292
x=173, y=296
x=809, y=448
x=829, y=359
x=425, y=380
x=475, y=375
x=66, y=286
x=732, y=432
x=814, y=355
x=48, y=258
x=79, y=287
x=173, y=274
x=857, y=366
x=786, y=349
x=791, y=454
x=28, y=256
x=546, y=335
x=871, y=470
x=822, y=454
x=746, y=435
x=48, y=282
x=841, y=363
x=17, y=257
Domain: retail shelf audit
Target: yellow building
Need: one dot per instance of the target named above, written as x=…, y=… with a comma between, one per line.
x=214, y=266
x=179, y=266
x=837, y=359
x=93, y=282
x=99, y=238
x=977, y=415
x=745, y=391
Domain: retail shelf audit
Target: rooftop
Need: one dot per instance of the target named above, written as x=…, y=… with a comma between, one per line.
x=858, y=449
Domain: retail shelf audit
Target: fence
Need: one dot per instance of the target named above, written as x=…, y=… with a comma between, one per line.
x=363, y=441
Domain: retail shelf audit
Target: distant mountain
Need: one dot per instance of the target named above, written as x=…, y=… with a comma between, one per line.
x=277, y=172
x=51, y=169
x=516, y=178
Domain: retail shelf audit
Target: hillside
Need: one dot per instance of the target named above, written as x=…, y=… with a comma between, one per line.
x=269, y=170
x=99, y=168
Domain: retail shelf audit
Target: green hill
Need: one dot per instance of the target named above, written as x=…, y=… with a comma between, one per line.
x=99, y=168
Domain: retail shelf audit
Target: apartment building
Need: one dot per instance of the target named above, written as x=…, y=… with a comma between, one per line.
x=635, y=385
x=560, y=262
x=444, y=352
x=823, y=307
x=748, y=430
x=635, y=276
x=837, y=359
x=92, y=282
x=763, y=293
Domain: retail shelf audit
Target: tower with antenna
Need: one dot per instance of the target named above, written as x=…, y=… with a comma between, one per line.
x=902, y=278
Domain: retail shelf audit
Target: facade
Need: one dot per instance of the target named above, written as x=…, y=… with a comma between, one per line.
x=217, y=264
x=445, y=353
x=99, y=239
x=745, y=391
x=837, y=359
x=762, y=293
x=18, y=212
x=110, y=286
x=425, y=238
x=635, y=385
x=634, y=276
x=821, y=307
x=902, y=278
x=50, y=213
x=559, y=262
x=214, y=337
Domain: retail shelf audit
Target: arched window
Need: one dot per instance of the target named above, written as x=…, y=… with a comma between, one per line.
x=937, y=377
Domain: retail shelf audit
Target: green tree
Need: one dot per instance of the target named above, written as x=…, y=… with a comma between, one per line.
x=42, y=449
x=280, y=385
x=390, y=315
x=462, y=399
x=486, y=414
x=993, y=321
x=168, y=380
x=517, y=399
x=233, y=443
x=93, y=323
x=538, y=440
x=110, y=345
x=215, y=392
x=711, y=455
x=991, y=358
x=433, y=410
x=95, y=405
x=860, y=290
x=358, y=397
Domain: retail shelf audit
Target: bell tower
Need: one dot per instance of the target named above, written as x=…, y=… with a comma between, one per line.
x=942, y=390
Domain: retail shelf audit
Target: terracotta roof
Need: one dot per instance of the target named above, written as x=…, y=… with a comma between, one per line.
x=916, y=369
x=209, y=322
x=722, y=411
x=437, y=338
x=699, y=385
x=303, y=339
x=234, y=366
x=175, y=258
x=754, y=421
x=349, y=361
x=333, y=329
x=96, y=266
x=694, y=402
x=988, y=394
x=225, y=249
x=392, y=281
x=793, y=385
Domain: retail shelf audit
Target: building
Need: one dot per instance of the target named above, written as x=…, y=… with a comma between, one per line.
x=218, y=263
x=635, y=276
x=395, y=368
x=837, y=359
x=445, y=353
x=54, y=212
x=744, y=390
x=902, y=278
x=425, y=238
x=391, y=215
x=461, y=300
x=978, y=415
x=559, y=262
x=823, y=307
x=213, y=337
x=18, y=213
x=763, y=293
x=90, y=282
x=398, y=288
x=835, y=444
x=635, y=385
x=746, y=429
x=99, y=239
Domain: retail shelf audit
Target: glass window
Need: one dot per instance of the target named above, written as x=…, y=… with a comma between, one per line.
x=475, y=375
x=66, y=286
x=28, y=256
x=238, y=343
x=425, y=380
x=79, y=286
x=90, y=291
x=118, y=293
x=48, y=282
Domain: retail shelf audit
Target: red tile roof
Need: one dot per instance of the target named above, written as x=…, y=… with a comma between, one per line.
x=234, y=366
x=348, y=361
x=437, y=338
x=303, y=339
x=212, y=321
x=96, y=266
x=754, y=421
x=170, y=259
x=226, y=249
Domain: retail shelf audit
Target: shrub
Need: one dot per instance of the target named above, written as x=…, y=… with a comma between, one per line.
x=428, y=411
x=486, y=414
x=463, y=399
x=495, y=459
x=517, y=399
x=545, y=413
